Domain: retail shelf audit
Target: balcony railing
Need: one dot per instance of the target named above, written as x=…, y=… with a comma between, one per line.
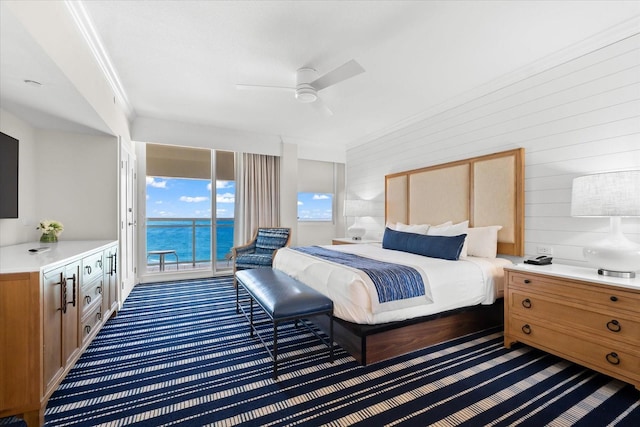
x=190, y=238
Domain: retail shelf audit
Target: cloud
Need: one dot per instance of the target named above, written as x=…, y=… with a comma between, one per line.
x=224, y=184
x=320, y=197
x=300, y=203
x=193, y=199
x=225, y=198
x=157, y=184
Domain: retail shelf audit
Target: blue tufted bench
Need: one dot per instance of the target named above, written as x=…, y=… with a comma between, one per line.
x=283, y=299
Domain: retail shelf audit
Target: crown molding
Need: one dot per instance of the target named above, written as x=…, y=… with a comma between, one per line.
x=597, y=41
x=87, y=29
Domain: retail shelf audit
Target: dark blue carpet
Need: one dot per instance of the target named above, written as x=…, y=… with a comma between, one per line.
x=178, y=354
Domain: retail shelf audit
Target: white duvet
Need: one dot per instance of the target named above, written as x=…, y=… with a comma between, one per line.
x=450, y=284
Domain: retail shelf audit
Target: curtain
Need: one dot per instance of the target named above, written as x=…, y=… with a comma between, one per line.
x=257, y=194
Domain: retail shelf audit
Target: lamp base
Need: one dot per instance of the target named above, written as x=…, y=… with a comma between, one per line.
x=615, y=255
x=612, y=273
x=356, y=232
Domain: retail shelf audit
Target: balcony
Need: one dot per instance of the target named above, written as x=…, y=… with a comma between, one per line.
x=190, y=238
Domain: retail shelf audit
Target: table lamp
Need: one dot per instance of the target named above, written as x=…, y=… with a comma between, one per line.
x=614, y=195
x=356, y=209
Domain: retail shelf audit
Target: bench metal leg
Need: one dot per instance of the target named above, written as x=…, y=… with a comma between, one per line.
x=237, y=300
x=330, y=338
x=251, y=316
x=275, y=350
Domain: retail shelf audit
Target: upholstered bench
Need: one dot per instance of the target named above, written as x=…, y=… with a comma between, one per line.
x=283, y=299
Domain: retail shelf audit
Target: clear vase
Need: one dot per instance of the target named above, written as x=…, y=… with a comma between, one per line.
x=48, y=238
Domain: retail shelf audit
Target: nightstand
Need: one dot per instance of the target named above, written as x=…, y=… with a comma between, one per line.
x=350, y=241
x=576, y=314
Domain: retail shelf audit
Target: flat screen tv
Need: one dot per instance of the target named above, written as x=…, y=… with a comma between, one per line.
x=8, y=176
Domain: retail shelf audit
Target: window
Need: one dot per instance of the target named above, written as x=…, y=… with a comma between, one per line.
x=315, y=207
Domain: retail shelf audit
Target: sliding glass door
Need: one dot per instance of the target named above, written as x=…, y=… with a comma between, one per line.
x=182, y=233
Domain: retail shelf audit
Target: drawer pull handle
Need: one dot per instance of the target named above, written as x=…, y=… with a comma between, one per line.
x=526, y=329
x=98, y=316
x=526, y=303
x=613, y=298
x=87, y=329
x=88, y=268
x=613, y=358
x=527, y=281
x=88, y=299
x=614, y=326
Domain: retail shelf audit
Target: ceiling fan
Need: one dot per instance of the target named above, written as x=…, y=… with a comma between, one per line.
x=308, y=84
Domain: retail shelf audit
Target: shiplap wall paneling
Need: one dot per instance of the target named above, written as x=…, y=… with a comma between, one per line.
x=579, y=117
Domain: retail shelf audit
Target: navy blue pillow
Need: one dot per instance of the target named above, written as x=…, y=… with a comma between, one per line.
x=445, y=247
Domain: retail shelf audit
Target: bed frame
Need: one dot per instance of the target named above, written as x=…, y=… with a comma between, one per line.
x=486, y=190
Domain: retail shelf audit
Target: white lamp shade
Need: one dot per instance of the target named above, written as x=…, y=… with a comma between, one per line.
x=357, y=208
x=606, y=194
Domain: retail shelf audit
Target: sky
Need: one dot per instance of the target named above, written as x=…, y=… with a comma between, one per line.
x=315, y=206
x=191, y=198
x=188, y=198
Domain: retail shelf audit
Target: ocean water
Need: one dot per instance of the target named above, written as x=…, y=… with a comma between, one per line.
x=179, y=236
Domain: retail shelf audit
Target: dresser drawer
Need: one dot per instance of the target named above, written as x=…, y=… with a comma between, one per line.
x=617, y=359
x=589, y=293
x=90, y=295
x=615, y=326
x=91, y=323
x=92, y=267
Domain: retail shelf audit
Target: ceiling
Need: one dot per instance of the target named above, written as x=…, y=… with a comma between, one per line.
x=181, y=60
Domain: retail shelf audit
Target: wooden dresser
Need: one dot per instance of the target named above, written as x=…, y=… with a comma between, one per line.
x=576, y=314
x=52, y=304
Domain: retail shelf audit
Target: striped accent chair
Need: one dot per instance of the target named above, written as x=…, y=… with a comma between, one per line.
x=259, y=252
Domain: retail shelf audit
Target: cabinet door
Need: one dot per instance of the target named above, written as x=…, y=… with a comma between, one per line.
x=70, y=325
x=109, y=295
x=53, y=288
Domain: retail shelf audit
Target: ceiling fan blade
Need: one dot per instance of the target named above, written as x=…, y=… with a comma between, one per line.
x=343, y=72
x=263, y=87
x=320, y=106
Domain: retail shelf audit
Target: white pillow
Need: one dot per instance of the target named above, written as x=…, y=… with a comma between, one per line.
x=438, y=227
x=483, y=241
x=413, y=228
x=449, y=229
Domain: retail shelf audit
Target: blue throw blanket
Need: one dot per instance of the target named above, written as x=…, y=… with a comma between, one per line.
x=393, y=282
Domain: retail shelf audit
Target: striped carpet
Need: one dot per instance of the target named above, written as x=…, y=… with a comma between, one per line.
x=178, y=354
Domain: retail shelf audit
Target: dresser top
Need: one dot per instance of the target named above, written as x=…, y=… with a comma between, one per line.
x=18, y=258
x=577, y=273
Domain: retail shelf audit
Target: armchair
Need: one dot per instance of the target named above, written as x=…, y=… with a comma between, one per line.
x=259, y=252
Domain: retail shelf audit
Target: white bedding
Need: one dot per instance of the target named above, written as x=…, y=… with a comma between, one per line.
x=453, y=284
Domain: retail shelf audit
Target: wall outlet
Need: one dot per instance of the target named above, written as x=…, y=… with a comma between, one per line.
x=545, y=250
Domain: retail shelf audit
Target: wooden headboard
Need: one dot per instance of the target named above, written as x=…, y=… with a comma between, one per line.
x=486, y=190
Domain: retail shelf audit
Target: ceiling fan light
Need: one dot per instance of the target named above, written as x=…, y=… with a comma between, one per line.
x=306, y=93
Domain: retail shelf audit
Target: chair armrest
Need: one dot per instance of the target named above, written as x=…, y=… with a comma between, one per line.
x=244, y=249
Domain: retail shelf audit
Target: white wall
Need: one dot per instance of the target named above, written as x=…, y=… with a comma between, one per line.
x=579, y=117
x=77, y=177
x=68, y=177
x=22, y=229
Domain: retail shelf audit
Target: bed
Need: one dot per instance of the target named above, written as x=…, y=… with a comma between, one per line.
x=461, y=295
